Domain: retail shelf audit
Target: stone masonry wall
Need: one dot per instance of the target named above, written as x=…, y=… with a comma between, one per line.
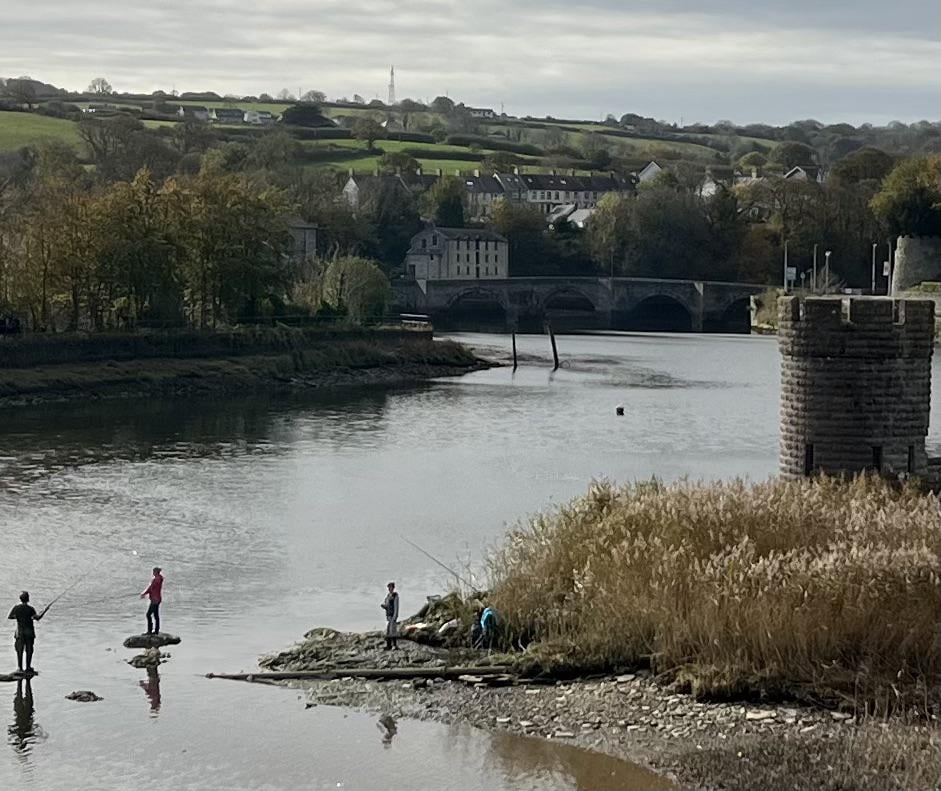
x=855, y=384
x=917, y=259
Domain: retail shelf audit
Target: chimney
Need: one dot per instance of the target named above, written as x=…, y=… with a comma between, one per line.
x=572, y=172
x=375, y=172
x=754, y=172
x=352, y=172
x=438, y=173
x=418, y=172
x=398, y=171
x=516, y=170
x=476, y=173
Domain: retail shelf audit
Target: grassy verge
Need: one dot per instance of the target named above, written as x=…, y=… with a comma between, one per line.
x=821, y=591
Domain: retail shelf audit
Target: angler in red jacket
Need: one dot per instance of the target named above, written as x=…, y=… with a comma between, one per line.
x=155, y=592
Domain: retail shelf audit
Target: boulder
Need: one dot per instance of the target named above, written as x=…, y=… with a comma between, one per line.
x=83, y=696
x=152, y=657
x=151, y=640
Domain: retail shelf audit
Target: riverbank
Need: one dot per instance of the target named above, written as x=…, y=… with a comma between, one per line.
x=632, y=716
x=273, y=360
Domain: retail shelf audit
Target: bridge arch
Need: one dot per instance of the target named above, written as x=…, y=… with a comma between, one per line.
x=658, y=313
x=737, y=316
x=478, y=309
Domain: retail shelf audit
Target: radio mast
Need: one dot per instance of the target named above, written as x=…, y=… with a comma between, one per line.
x=391, y=87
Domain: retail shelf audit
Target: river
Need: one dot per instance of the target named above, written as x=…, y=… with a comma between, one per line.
x=274, y=514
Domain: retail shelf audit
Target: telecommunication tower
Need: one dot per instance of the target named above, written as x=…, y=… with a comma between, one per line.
x=392, y=86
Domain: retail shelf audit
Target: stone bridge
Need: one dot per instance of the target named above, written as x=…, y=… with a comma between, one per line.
x=568, y=303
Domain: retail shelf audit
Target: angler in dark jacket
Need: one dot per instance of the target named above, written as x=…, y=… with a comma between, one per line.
x=391, y=606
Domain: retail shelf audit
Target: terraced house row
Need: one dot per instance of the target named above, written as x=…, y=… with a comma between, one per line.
x=548, y=192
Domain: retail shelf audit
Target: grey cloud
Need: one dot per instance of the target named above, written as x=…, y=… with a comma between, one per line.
x=751, y=61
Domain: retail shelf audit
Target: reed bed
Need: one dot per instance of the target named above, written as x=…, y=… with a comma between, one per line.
x=816, y=589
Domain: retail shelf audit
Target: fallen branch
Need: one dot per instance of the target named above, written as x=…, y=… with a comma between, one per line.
x=371, y=672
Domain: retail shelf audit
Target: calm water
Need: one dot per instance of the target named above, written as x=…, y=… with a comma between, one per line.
x=274, y=515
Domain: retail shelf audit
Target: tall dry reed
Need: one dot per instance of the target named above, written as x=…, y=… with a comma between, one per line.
x=812, y=589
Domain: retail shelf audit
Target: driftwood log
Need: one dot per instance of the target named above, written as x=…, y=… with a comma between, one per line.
x=329, y=674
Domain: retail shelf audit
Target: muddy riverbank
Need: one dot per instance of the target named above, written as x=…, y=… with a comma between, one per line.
x=332, y=363
x=632, y=716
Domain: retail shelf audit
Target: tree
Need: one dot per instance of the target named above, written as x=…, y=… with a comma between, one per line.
x=866, y=164
x=443, y=105
x=910, y=200
x=100, y=86
x=524, y=227
x=22, y=90
x=392, y=216
x=444, y=202
x=307, y=115
x=790, y=155
x=398, y=162
x=368, y=130
x=499, y=162
x=357, y=287
x=357, y=99
x=285, y=95
x=411, y=106
x=317, y=97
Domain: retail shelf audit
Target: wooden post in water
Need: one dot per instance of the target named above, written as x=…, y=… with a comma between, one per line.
x=514, y=351
x=555, y=351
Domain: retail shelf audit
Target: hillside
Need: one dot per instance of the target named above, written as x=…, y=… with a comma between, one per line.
x=452, y=141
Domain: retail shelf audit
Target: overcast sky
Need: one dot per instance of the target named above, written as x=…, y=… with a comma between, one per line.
x=696, y=60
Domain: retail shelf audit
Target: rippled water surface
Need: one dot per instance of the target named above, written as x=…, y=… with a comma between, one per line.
x=273, y=515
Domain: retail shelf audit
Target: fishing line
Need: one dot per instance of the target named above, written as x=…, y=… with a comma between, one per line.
x=432, y=558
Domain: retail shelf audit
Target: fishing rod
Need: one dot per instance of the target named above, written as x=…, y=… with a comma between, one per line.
x=432, y=558
x=70, y=587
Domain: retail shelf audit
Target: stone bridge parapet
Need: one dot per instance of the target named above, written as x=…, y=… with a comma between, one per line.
x=583, y=303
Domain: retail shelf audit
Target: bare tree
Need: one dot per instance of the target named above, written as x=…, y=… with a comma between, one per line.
x=100, y=86
x=285, y=95
x=314, y=96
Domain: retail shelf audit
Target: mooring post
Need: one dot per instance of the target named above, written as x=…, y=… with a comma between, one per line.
x=514, y=351
x=555, y=351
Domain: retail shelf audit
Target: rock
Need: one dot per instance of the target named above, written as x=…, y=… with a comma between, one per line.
x=83, y=696
x=840, y=716
x=503, y=720
x=448, y=627
x=532, y=691
x=626, y=679
x=470, y=680
x=151, y=640
x=152, y=657
x=527, y=724
x=419, y=683
x=563, y=735
x=760, y=715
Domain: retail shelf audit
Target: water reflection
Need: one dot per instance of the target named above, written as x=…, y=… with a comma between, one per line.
x=23, y=732
x=389, y=729
x=151, y=689
x=536, y=758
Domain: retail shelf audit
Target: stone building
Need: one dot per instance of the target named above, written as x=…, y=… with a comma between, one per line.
x=457, y=254
x=855, y=385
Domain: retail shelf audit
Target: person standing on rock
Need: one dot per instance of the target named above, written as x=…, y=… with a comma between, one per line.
x=391, y=607
x=24, y=615
x=155, y=592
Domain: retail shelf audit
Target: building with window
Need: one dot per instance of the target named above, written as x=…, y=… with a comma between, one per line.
x=457, y=254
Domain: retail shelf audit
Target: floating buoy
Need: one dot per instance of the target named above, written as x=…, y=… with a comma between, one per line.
x=619, y=411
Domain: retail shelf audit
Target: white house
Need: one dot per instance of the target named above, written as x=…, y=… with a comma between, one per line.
x=481, y=112
x=193, y=111
x=650, y=172
x=259, y=117
x=227, y=115
x=457, y=254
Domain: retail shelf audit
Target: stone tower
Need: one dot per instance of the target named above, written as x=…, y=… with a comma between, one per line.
x=855, y=384
x=391, y=100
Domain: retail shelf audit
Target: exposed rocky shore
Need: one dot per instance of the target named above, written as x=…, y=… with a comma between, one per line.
x=630, y=716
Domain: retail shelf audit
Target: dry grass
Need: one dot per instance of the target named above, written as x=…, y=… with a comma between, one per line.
x=816, y=590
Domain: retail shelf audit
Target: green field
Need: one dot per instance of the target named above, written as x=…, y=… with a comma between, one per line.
x=20, y=129
x=24, y=129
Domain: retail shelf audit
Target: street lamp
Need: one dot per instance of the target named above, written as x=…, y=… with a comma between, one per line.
x=872, y=286
x=826, y=269
x=815, y=268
